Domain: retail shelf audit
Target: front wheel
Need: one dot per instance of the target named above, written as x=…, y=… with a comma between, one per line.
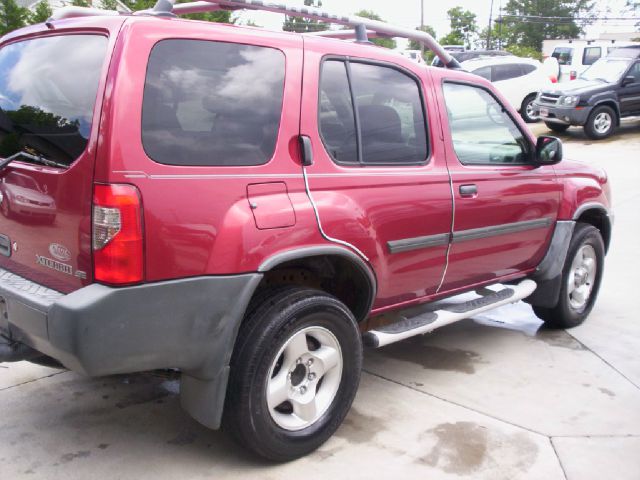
x=581, y=278
x=601, y=123
x=557, y=127
x=527, y=111
x=294, y=373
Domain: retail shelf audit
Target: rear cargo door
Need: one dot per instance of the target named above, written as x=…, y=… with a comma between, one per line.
x=48, y=90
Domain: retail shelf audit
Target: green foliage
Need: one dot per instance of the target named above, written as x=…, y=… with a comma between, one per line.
x=381, y=42
x=530, y=32
x=12, y=16
x=463, y=27
x=304, y=25
x=41, y=13
x=523, y=51
x=80, y=3
x=109, y=4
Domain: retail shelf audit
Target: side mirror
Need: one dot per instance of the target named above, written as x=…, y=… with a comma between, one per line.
x=548, y=150
x=628, y=80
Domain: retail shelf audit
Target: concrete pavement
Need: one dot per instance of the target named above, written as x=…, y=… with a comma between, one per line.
x=472, y=400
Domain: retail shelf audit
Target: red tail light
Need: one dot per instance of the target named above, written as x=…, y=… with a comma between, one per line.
x=117, y=234
x=573, y=75
x=553, y=79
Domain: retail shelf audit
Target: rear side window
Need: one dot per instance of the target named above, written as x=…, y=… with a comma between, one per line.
x=48, y=90
x=212, y=103
x=527, y=69
x=563, y=54
x=590, y=55
x=484, y=72
x=374, y=109
x=506, y=72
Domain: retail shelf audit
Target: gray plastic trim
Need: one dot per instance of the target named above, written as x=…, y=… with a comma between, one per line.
x=415, y=243
x=504, y=229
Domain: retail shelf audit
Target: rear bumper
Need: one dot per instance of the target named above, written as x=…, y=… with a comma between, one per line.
x=563, y=115
x=190, y=324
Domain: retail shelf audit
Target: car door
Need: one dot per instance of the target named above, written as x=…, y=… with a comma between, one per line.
x=504, y=207
x=506, y=79
x=379, y=179
x=630, y=94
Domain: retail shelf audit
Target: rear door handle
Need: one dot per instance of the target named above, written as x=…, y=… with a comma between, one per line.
x=468, y=190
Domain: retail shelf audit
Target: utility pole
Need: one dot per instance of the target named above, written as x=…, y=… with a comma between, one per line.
x=489, y=31
x=422, y=25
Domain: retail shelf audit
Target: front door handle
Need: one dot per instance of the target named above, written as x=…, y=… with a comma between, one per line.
x=468, y=190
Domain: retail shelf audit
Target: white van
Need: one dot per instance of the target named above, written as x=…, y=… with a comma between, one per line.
x=575, y=56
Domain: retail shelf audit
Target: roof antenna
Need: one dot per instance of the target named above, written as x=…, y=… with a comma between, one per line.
x=163, y=8
x=361, y=34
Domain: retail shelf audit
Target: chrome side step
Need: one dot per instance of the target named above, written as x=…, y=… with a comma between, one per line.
x=428, y=321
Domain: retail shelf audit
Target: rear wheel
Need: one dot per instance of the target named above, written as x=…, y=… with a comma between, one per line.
x=601, y=123
x=294, y=373
x=556, y=127
x=581, y=277
x=526, y=109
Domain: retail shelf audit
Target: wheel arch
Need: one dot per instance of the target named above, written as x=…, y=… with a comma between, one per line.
x=334, y=269
x=609, y=103
x=597, y=215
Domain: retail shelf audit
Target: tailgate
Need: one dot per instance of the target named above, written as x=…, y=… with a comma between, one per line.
x=48, y=90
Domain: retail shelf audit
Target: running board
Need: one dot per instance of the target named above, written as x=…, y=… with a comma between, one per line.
x=428, y=321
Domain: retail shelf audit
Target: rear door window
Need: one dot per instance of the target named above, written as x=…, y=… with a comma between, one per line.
x=371, y=114
x=484, y=72
x=506, y=72
x=590, y=55
x=212, y=103
x=48, y=90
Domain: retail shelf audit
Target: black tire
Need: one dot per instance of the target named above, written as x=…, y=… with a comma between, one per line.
x=273, y=318
x=564, y=315
x=47, y=361
x=593, y=128
x=557, y=127
x=526, y=104
x=6, y=207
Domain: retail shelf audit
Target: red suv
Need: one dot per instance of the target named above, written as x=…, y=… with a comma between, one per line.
x=248, y=207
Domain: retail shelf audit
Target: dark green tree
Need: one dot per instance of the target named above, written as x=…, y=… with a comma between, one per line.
x=304, y=25
x=463, y=27
x=221, y=16
x=528, y=26
x=381, y=42
x=12, y=16
x=41, y=13
x=81, y=3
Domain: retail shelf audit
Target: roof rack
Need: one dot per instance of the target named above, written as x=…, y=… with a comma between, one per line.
x=363, y=26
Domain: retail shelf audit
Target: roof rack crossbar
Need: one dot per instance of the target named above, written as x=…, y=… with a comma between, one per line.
x=316, y=14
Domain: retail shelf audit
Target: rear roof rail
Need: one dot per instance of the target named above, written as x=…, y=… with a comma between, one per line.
x=362, y=26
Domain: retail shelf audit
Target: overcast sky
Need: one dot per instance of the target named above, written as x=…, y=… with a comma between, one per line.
x=407, y=12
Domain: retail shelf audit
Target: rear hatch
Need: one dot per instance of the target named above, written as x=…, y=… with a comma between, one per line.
x=48, y=90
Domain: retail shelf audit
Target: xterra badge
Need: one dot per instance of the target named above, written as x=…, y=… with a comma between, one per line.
x=54, y=265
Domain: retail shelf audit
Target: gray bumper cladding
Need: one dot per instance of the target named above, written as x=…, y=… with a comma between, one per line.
x=190, y=324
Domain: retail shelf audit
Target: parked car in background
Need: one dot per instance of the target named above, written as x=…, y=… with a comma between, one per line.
x=606, y=92
x=463, y=56
x=518, y=79
x=575, y=57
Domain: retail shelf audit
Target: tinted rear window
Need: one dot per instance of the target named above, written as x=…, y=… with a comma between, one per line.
x=48, y=91
x=212, y=103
